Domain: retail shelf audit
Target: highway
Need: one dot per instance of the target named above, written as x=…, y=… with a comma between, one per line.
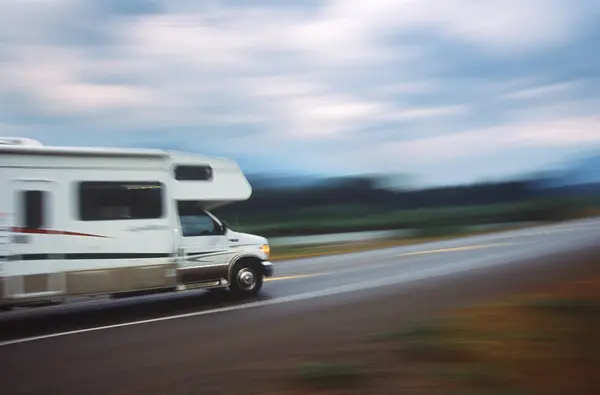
x=198, y=339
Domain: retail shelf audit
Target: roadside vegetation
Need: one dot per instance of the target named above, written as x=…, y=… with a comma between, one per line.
x=545, y=342
x=433, y=221
x=361, y=204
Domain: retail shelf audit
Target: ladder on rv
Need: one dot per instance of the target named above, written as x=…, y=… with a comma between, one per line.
x=4, y=236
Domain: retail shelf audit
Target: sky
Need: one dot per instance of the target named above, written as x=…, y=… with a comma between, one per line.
x=446, y=91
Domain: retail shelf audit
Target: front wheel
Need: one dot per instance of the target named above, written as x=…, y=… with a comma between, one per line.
x=246, y=281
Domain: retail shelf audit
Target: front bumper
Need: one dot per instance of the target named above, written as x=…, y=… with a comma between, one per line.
x=267, y=268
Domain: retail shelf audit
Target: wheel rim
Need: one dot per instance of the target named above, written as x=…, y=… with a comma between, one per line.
x=246, y=279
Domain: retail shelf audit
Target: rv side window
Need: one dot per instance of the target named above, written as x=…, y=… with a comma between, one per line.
x=110, y=201
x=195, y=221
x=32, y=213
x=193, y=173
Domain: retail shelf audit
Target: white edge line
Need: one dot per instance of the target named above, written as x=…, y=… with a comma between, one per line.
x=450, y=268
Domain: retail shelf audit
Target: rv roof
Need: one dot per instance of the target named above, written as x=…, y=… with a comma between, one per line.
x=81, y=151
x=182, y=157
x=175, y=156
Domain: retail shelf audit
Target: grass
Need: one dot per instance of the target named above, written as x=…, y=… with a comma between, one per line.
x=330, y=374
x=463, y=373
x=429, y=328
x=564, y=305
x=545, y=342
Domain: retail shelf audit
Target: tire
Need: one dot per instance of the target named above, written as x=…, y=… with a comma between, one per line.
x=246, y=281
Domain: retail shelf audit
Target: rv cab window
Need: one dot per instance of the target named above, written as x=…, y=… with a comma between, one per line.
x=195, y=221
x=111, y=201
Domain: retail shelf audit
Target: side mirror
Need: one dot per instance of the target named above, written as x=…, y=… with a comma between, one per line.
x=224, y=226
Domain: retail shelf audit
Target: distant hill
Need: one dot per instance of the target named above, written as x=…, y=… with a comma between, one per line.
x=273, y=181
x=581, y=174
x=580, y=177
x=584, y=171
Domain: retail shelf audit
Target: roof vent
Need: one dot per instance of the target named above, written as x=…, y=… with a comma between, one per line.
x=20, y=141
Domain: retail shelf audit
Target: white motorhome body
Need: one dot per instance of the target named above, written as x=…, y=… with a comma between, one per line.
x=87, y=221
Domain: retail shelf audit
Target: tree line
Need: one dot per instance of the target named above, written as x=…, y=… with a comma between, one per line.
x=360, y=203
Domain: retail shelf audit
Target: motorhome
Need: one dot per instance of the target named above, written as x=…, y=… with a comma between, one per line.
x=93, y=221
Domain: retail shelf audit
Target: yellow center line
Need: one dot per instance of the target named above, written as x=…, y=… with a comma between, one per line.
x=544, y=232
x=453, y=249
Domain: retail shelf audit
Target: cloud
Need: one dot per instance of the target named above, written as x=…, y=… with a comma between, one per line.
x=431, y=112
x=542, y=91
x=573, y=131
x=321, y=79
x=578, y=131
x=495, y=25
x=410, y=87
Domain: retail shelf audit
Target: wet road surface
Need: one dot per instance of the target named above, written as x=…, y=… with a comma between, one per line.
x=197, y=339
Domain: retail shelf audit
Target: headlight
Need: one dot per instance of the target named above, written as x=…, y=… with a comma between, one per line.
x=266, y=249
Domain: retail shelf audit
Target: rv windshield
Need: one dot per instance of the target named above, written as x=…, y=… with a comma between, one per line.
x=196, y=221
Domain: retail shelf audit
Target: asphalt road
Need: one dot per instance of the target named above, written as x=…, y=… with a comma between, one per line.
x=197, y=341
